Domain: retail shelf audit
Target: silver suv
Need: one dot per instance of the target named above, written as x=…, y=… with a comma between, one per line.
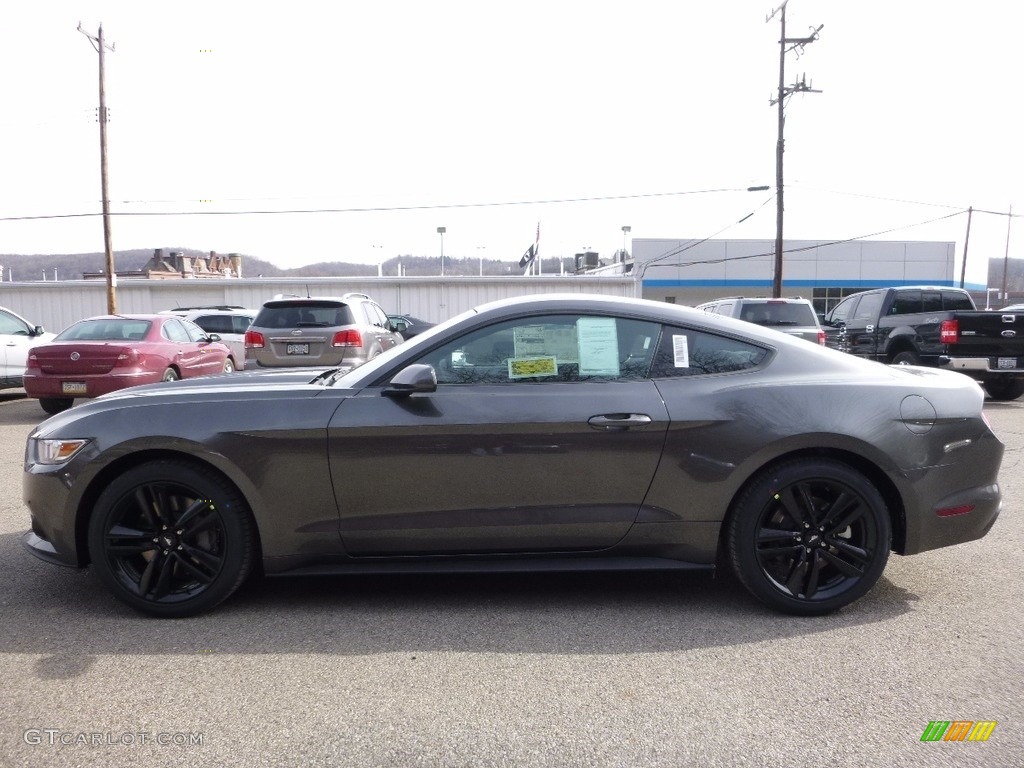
x=793, y=316
x=343, y=331
x=227, y=321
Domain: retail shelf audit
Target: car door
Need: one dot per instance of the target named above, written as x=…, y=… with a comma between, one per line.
x=543, y=436
x=379, y=319
x=850, y=327
x=184, y=351
x=15, y=341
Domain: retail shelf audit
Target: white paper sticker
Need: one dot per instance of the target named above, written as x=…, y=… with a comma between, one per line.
x=681, y=351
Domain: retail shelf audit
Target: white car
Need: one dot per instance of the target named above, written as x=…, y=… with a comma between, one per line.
x=228, y=322
x=17, y=337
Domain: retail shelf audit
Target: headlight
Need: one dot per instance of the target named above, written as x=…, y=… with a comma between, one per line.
x=53, y=450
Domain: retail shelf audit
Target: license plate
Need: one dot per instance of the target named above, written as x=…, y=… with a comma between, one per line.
x=298, y=349
x=1007, y=362
x=73, y=387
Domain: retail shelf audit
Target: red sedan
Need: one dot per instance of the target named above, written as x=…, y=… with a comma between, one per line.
x=102, y=354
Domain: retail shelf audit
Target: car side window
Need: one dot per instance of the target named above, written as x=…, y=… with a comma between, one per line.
x=12, y=326
x=867, y=310
x=195, y=333
x=240, y=324
x=957, y=301
x=549, y=348
x=906, y=303
x=215, y=323
x=175, y=331
x=842, y=310
x=377, y=315
x=686, y=352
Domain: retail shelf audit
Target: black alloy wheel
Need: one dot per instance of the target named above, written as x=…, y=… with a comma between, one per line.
x=171, y=538
x=809, y=536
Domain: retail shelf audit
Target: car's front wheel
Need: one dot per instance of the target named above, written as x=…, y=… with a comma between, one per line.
x=809, y=536
x=171, y=538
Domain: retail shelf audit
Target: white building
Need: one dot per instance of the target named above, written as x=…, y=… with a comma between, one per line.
x=692, y=271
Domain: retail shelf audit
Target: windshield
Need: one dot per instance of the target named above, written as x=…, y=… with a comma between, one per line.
x=364, y=373
x=110, y=329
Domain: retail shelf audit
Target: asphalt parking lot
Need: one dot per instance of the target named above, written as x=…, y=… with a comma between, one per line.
x=525, y=670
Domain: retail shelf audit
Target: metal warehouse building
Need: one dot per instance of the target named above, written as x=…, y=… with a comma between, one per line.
x=55, y=305
x=693, y=271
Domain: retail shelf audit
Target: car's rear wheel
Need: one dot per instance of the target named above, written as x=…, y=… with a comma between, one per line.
x=169, y=375
x=171, y=538
x=1005, y=388
x=809, y=536
x=54, y=405
x=906, y=358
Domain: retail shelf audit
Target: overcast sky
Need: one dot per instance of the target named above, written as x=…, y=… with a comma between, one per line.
x=489, y=117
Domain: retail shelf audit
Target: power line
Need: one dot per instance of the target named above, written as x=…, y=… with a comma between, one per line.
x=381, y=209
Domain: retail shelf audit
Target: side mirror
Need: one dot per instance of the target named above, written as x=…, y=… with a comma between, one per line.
x=417, y=377
x=213, y=337
x=38, y=331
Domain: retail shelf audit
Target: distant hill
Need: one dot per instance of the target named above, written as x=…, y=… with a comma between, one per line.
x=71, y=266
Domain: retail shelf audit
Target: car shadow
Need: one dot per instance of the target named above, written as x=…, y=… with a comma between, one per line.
x=67, y=615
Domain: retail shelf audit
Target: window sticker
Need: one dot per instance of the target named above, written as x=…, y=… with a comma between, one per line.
x=598, y=346
x=681, y=351
x=546, y=341
x=528, y=367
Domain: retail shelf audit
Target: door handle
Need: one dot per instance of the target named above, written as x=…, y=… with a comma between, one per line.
x=618, y=422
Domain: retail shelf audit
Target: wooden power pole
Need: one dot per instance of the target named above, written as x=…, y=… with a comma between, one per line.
x=101, y=47
x=786, y=44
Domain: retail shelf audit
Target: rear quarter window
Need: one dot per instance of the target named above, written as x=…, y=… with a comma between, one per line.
x=685, y=352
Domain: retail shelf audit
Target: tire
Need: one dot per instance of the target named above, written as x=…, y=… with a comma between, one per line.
x=55, y=405
x=170, y=375
x=229, y=365
x=1005, y=388
x=809, y=536
x=171, y=538
x=906, y=358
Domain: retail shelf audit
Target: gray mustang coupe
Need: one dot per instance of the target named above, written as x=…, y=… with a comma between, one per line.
x=546, y=433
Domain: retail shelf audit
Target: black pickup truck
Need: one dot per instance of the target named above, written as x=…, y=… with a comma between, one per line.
x=938, y=327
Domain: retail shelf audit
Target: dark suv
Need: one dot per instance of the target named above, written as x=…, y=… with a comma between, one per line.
x=793, y=316
x=343, y=331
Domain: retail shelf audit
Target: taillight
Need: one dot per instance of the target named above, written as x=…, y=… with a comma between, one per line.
x=129, y=356
x=32, y=363
x=254, y=340
x=821, y=337
x=347, y=339
x=949, y=332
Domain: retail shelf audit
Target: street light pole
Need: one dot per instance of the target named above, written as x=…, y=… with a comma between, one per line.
x=626, y=229
x=441, y=231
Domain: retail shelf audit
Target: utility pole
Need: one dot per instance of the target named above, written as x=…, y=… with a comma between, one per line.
x=786, y=44
x=1006, y=256
x=967, y=239
x=101, y=47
